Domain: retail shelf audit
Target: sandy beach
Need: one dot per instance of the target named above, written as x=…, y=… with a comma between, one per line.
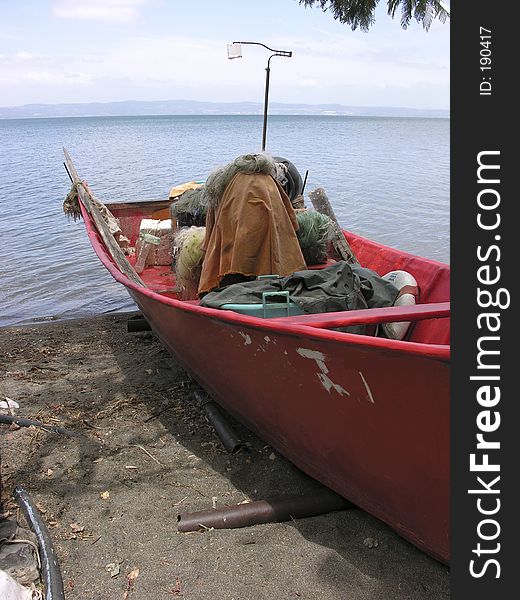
x=111, y=498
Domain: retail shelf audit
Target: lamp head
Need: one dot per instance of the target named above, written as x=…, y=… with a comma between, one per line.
x=234, y=50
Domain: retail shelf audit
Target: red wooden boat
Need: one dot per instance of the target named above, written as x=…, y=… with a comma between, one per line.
x=367, y=416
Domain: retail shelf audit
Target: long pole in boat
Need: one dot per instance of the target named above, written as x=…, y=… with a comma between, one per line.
x=86, y=198
x=266, y=102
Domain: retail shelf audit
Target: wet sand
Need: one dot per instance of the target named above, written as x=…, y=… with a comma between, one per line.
x=111, y=498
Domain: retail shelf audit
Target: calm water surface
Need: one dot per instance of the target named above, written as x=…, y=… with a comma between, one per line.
x=387, y=179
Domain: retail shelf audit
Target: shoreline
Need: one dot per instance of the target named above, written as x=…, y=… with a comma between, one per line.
x=91, y=376
x=50, y=319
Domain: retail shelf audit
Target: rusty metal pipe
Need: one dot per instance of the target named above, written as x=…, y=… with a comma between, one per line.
x=222, y=428
x=278, y=509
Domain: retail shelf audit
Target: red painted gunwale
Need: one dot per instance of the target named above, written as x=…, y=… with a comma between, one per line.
x=367, y=416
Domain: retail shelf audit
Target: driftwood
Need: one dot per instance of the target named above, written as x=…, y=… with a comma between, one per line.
x=86, y=198
x=321, y=203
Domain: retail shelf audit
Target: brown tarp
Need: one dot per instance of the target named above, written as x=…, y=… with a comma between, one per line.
x=252, y=232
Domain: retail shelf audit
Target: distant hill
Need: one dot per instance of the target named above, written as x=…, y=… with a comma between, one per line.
x=190, y=107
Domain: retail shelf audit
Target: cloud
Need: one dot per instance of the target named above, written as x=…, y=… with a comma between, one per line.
x=13, y=67
x=24, y=56
x=53, y=78
x=307, y=82
x=26, y=67
x=340, y=69
x=112, y=11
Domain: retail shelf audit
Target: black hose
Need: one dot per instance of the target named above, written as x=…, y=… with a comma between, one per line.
x=22, y=422
x=51, y=574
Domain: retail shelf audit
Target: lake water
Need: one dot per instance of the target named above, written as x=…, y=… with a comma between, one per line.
x=387, y=179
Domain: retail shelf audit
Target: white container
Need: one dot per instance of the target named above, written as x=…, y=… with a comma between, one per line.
x=154, y=245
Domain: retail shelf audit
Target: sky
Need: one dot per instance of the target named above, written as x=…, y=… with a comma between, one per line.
x=66, y=51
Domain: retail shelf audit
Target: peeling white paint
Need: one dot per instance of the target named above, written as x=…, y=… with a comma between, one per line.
x=328, y=384
x=325, y=380
x=246, y=337
x=313, y=354
x=369, y=391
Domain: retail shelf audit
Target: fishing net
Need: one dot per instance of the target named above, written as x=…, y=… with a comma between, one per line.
x=247, y=163
x=188, y=259
x=72, y=209
x=71, y=204
x=314, y=233
x=190, y=208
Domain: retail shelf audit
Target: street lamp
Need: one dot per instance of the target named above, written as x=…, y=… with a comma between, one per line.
x=235, y=51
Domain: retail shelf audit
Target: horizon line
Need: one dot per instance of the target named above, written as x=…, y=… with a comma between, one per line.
x=227, y=102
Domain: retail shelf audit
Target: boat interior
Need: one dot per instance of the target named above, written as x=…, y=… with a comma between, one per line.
x=429, y=318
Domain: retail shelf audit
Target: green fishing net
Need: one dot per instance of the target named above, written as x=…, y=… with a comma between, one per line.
x=314, y=231
x=190, y=208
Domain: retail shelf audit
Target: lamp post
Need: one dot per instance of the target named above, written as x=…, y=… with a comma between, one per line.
x=235, y=51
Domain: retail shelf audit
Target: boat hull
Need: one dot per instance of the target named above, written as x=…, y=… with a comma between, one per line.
x=369, y=422
x=366, y=416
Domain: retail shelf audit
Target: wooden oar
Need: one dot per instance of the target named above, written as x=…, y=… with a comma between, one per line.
x=86, y=198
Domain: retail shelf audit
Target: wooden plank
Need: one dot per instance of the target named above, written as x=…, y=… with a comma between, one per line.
x=366, y=316
x=137, y=204
x=112, y=246
x=321, y=203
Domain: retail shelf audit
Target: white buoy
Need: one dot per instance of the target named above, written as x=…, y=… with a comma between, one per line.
x=408, y=293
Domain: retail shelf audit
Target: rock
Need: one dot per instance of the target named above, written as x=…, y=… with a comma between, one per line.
x=18, y=558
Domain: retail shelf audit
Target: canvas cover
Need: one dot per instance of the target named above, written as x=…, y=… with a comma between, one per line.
x=251, y=231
